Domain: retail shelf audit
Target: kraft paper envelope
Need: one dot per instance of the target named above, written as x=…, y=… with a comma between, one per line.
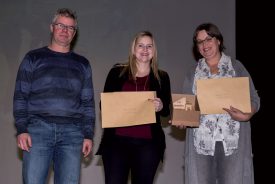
x=215, y=94
x=121, y=109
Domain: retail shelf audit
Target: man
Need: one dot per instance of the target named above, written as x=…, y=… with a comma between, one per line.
x=54, y=106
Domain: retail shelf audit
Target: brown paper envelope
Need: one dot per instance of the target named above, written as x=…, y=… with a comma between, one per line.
x=215, y=94
x=120, y=109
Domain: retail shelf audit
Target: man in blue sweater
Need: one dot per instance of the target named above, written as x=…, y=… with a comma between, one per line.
x=54, y=106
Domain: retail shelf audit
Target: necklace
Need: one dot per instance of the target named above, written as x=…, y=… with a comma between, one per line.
x=145, y=83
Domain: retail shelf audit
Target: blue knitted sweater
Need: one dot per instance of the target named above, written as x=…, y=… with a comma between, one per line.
x=56, y=87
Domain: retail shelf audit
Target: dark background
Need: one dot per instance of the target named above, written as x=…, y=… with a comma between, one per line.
x=254, y=49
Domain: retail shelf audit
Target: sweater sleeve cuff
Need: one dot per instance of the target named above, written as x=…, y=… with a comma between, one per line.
x=21, y=130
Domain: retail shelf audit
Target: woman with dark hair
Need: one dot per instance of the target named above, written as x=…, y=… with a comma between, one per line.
x=219, y=151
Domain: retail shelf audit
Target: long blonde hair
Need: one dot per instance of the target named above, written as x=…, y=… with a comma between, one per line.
x=131, y=66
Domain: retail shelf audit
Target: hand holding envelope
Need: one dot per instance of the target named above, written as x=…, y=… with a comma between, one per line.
x=157, y=103
x=238, y=115
x=120, y=109
x=215, y=96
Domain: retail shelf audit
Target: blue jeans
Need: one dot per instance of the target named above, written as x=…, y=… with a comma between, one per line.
x=57, y=144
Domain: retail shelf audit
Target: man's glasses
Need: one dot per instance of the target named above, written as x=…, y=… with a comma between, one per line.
x=208, y=39
x=63, y=26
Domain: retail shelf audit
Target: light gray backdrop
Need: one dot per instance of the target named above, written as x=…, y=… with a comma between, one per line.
x=106, y=29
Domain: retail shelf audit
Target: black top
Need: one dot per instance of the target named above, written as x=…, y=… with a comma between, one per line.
x=115, y=82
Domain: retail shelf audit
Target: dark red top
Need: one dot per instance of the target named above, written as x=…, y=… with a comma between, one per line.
x=139, y=131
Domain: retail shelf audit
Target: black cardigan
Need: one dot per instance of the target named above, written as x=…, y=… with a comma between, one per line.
x=114, y=82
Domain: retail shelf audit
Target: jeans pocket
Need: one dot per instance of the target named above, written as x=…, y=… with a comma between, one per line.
x=33, y=123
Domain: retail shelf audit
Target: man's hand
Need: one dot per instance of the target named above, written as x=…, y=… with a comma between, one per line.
x=87, y=147
x=24, y=141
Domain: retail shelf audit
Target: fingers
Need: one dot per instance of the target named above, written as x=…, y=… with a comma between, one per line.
x=181, y=126
x=157, y=103
x=232, y=110
x=24, y=141
x=29, y=141
x=237, y=114
x=23, y=145
x=178, y=126
x=235, y=110
x=87, y=147
x=86, y=151
x=227, y=110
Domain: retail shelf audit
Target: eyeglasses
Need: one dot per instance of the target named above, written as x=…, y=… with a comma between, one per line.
x=147, y=47
x=63, y=26
x=208, y=39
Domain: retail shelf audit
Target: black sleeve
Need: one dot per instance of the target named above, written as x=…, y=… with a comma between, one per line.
x=165, y=94
x=112, y=80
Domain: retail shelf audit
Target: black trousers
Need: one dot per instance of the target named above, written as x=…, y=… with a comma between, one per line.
x=139, y=157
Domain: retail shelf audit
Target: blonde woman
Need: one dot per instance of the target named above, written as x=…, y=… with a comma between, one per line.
x=138, y=149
